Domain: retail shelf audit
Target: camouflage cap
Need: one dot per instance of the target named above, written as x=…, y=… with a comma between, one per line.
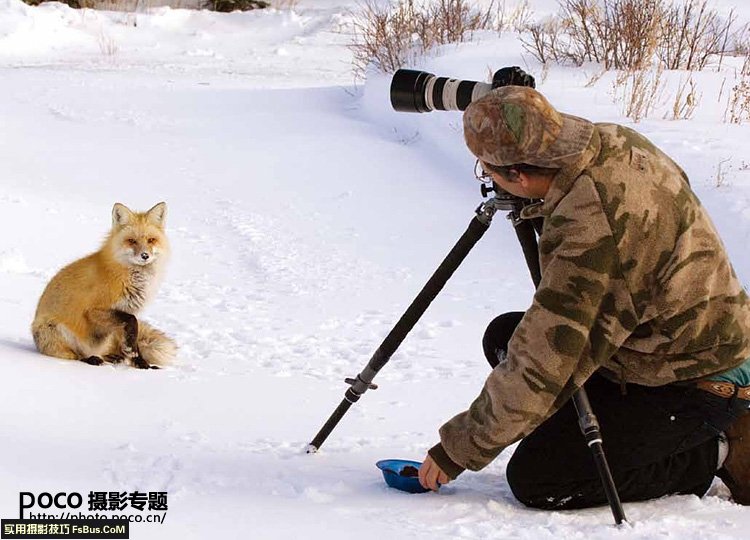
x=516, y=124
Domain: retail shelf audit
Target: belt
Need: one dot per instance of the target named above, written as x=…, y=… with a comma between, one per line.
x=724, y=389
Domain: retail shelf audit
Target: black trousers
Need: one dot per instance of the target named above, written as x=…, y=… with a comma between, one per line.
x=658, y=440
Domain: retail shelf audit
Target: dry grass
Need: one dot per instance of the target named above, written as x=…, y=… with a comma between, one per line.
x=692, y=33
x=620, y=34
x=286, y=5
x=76, y=4
x=133, y=6
x=627, y=34
x=516, y=17
x=454, y=21
x=738, y=107
x=107, y=44
x=722, y=169
x=595, y=78
x=686, y=100
x=390, y=36
x=115, y=5
x=130, y=6
x=226, y=6
x=386, y=37
x=543, y=42
x=639, y=91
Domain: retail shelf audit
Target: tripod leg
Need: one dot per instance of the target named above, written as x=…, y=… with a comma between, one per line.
x=590, y=429
x=362, y=382
x=526, y=232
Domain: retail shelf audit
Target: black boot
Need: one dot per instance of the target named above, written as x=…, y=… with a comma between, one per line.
x=736, y=469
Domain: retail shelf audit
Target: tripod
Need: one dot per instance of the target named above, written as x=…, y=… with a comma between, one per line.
x=526, y=231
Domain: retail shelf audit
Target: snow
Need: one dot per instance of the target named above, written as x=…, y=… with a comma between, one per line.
x=304, y=215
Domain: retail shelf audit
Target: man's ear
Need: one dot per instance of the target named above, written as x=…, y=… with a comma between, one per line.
x=158, y=214
x=522, y=178
x=121, y=215
x=535, y=186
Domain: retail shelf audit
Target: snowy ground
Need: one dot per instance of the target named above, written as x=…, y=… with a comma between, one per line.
x=304, y=216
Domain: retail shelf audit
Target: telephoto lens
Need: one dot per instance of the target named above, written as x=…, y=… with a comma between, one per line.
x=419, y=91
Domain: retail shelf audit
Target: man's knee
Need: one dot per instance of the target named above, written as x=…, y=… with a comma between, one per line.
x=522, y=481
x=546, y=492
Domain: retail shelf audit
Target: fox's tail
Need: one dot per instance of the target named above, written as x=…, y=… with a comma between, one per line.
x=155, y=346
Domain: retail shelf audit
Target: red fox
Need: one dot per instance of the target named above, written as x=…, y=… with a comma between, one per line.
x=88, y=310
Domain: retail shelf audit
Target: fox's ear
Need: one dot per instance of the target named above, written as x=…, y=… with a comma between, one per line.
x=158, y=214
x=121, y=215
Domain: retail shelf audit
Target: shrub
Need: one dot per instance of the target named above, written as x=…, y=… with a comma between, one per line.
x=627, y=34
x=134, y=5
x=226, y=6
x=108, y=5
x=75, y=4
x=544, y=45
x=620, y=34
x=692, y=33
x=393, y=35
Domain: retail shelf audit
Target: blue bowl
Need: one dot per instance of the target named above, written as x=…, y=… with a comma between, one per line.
x=392, y=473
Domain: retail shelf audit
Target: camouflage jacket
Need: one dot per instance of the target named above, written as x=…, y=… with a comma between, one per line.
x=635, y=283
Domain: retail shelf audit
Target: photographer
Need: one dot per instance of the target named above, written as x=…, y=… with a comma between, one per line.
x=638, y=301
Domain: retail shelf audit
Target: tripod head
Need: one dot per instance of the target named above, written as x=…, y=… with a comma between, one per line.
x=502, y=201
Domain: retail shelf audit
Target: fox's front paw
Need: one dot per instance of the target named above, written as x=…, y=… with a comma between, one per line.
x=140, y=363
x=93, y=360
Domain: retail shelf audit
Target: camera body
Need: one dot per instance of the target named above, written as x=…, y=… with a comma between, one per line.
x=420, y=91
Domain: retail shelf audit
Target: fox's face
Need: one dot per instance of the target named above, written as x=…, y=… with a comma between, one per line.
x=138, y=239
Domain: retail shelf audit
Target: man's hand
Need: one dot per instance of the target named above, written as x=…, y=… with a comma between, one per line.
x=431, y=476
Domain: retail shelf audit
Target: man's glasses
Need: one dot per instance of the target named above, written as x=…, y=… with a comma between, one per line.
x=506, y=173
x=480, y=174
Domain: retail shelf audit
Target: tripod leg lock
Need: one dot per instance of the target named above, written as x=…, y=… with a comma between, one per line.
x=358, y=387
x=589, y=427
